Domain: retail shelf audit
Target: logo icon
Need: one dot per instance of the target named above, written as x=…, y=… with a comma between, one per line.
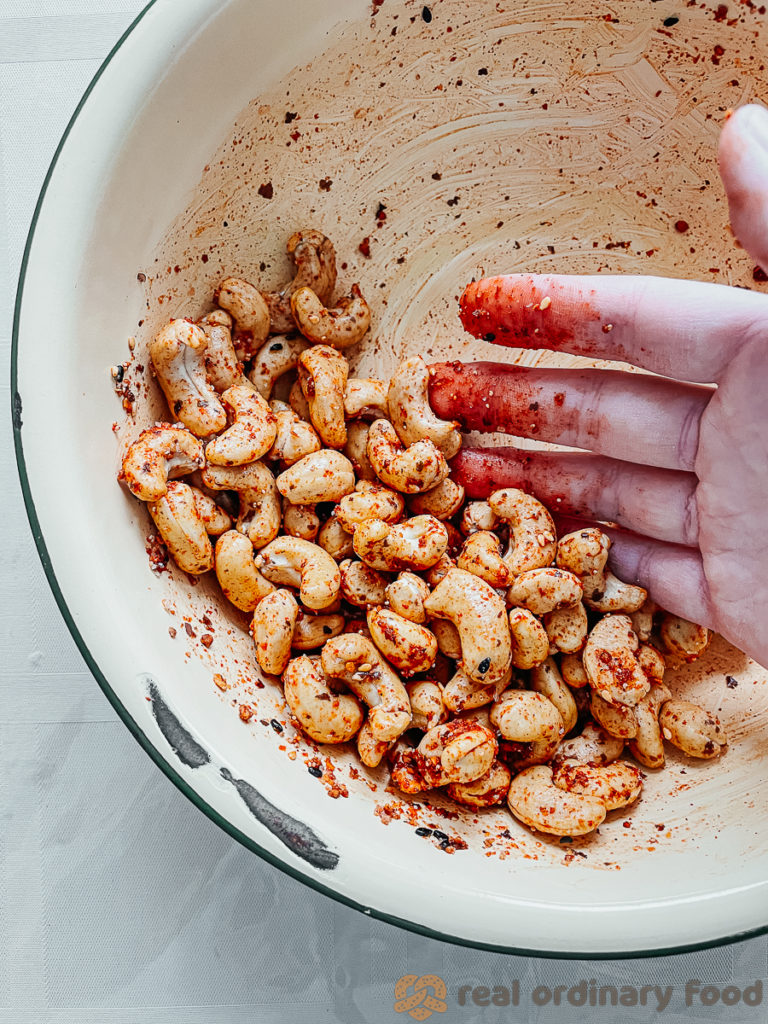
x=420, y=997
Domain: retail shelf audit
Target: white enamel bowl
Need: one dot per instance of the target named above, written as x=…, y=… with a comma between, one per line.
x=495, y=140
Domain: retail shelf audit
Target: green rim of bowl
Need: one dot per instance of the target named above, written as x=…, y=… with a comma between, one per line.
x=135, y=729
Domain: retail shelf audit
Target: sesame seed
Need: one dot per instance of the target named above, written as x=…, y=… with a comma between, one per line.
x=545, y=303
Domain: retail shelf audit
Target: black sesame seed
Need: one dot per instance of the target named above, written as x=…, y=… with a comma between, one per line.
x=482, y=71
x=276, y=725
x=423, y=831
x=120, y=374
x=426, y=14
x=489, y=337
x=317, y=772
x=327, y=630
x=445, y=844
x=731, y=683
x=484, y=665
x=669, y=22
x=277, y=347
x=440, y=835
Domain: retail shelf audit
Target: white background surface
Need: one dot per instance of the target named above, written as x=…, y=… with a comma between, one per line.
x=119, y=901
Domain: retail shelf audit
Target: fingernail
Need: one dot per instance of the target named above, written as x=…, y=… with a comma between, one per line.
x=754, y=122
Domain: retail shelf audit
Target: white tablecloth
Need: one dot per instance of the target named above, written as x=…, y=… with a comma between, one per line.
x=119, y=901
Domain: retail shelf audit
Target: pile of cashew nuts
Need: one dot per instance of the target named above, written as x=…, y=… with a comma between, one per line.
x=460, y=643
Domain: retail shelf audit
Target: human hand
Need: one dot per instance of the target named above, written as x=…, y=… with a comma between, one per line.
x=683, y=466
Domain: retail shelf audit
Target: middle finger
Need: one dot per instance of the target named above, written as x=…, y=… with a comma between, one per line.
x=629, y=416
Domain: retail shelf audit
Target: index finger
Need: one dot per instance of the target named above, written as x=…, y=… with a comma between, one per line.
x=683, y=329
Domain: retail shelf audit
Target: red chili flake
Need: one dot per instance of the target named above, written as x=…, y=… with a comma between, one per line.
x=365, y=247
x=437, y=176
x=325, y=184
x=721, y=13
x=206, y=639
x=559, y=398
x=204, y=257
x=171, y=632
x=295, y=136
x=141, y=278
x=190, y=632
x=266, y=191
x=759, y=275
x=681, y=226
x=290, y=116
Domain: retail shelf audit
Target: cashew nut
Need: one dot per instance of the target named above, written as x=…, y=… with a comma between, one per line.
x=410, y=412
x=647, y=746
x=369, y=501
x=478, y=515
x=530, y=643
x=292, y=562
x=369, y=749
x=442, y=502
x=365, y=398
x=274, y=620
x=406, y=645
x=685, y=639
x=546, y=679
x=459, y=751
x=481, y=555
x=276, y=357
x=692, y=729
x=573, y=672
x=415, y=544
x=533, y=541
x=642, y=620
x=354, y=660
x=178, y=357
x=260, y=510
x=342, y=326
x=236, y=572
x=300, y=521
x=215, y=519
x=313, y=631
x=294, y=437
x=585, y=553
x=536, y=801
x=251, y=435
x=249, y=310
x=406, y=596
x=440, y=569
x=221, y=362
x=479, y=614
x=297, y=401
x=426, y=705
x=448, y=638
x=610, y=662
x=542, y=591
x=615, y=785
x=487, y=791
x=325, y=716
x=334, y=539
x=461, y=693
x=524, y=716
x=361, y=585
x=616, y=719
x=323, y=378
x=651, y=662
x=157, y=455
x=181, y=527
x=356, y=450
x=519, y=756
x=410, y=470
x=567, y=628
x=326, y=475
x=315, y=260
x=593, y=746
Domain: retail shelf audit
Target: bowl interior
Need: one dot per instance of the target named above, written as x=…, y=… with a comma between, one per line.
x=433, y=146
